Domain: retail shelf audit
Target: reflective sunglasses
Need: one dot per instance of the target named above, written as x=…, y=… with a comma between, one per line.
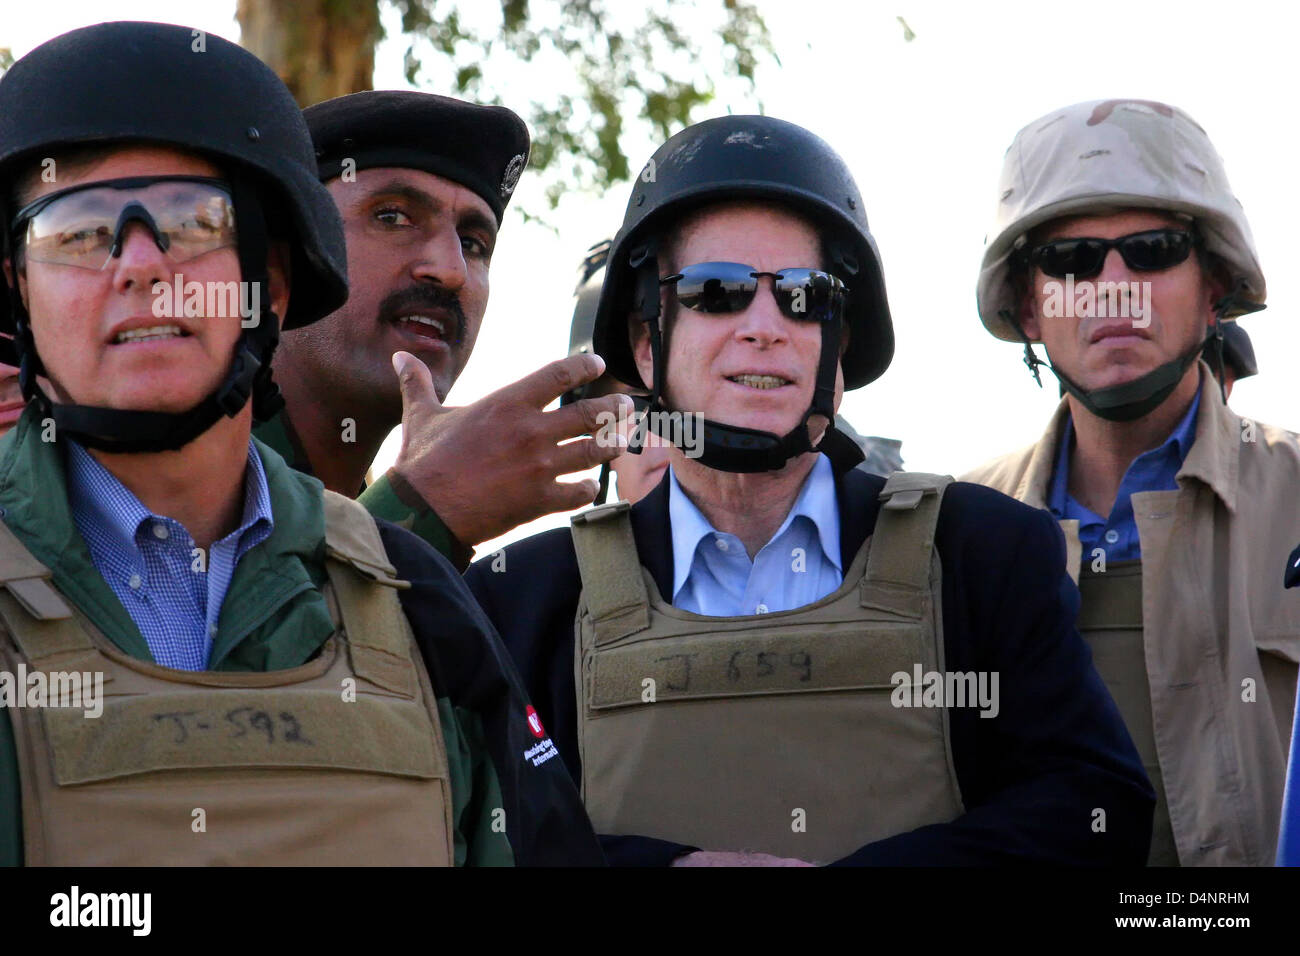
x=806, y=295
x=1083, y=258
x=83, y=226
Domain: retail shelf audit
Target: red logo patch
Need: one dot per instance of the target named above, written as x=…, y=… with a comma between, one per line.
x=535, y=723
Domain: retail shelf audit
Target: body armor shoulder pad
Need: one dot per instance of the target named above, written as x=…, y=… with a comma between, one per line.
x=904, y=490
x=28, y=580
x=352, y=537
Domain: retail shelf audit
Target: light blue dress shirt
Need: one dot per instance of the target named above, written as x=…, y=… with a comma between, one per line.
x=149, y=562
x=713, y=575
x=1154, y=470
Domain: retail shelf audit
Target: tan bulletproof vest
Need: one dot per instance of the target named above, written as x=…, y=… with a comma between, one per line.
x=1110, y=620
x=338, y=761
x=778, y=732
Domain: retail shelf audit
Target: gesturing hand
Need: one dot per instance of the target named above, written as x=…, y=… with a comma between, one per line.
x=490, y=466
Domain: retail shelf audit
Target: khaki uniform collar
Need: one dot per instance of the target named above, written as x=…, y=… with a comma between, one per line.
x=1215, y=455
x=1042, y=459
x=1212, y=458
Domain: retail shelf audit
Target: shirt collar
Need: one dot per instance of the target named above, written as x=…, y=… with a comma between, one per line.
x=1058, y=489
x=1184, y=436
x=1178, y=444
x=816, y=502
x=96, y=493
x=257, y=501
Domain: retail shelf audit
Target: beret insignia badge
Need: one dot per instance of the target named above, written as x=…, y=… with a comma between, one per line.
x=514, y=169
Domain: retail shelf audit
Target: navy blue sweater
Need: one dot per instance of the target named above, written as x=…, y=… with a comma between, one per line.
x=1031, y=778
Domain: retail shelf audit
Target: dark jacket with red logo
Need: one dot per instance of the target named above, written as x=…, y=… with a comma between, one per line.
x=1031, y=778
x=544, y=817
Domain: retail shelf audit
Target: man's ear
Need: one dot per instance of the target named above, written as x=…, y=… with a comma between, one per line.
x=1218, y=284
x=640, y=336
x=8, y=266
x=1027, y=309
x=278, y=269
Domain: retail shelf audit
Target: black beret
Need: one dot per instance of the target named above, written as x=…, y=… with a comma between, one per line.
x=483, y=148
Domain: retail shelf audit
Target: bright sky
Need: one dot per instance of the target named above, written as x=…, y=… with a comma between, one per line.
x=923, y=125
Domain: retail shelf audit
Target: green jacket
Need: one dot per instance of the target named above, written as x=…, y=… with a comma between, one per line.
x=280, y=620
x=389, y=497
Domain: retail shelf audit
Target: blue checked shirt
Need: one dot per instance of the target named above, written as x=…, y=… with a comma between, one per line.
x=712, y=573
x=1154, y=470
x=150, y=563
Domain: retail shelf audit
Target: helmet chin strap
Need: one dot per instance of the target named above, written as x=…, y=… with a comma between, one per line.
x=1132, y=400
x=733, y=448
x=119, y=430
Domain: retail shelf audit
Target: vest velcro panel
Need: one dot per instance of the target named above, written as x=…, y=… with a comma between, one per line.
x=898, y=567
x=618, y=598
x=338, y=760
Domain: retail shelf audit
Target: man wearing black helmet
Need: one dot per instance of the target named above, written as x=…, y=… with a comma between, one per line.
x=637, y=474
x=422, y=182
x=292, y=682
x=774, y=658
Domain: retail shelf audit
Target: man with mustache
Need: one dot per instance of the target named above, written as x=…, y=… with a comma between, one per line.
x=422, y=182
x=1178, y=513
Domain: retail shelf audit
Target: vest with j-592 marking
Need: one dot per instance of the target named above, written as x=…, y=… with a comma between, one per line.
x=340, y=760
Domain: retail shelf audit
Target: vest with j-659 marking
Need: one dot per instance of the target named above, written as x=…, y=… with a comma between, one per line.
x=777, y=733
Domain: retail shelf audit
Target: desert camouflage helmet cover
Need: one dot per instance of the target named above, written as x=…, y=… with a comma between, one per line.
x=1113, y=154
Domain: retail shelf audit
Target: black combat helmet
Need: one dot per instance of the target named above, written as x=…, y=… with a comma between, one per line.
x=586, y=299
x=750, y=157
x=1238, y=353
x=154, y=83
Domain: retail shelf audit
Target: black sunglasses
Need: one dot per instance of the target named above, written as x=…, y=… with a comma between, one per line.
x=806, y=295
x=1083, y=258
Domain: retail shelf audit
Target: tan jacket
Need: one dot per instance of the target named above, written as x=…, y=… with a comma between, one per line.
x=1222, y=635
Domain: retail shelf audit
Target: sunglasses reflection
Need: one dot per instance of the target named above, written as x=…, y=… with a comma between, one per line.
x=722, y=288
